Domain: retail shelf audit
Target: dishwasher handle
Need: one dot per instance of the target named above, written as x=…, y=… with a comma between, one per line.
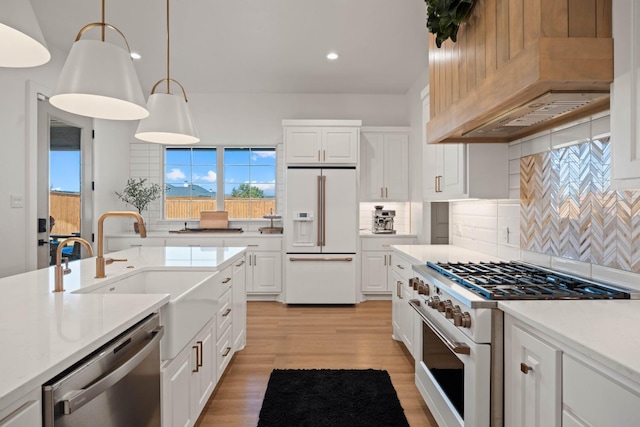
x=76, y=399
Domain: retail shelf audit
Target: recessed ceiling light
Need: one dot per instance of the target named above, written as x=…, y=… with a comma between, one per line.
x=332, y=56
x=135, y=55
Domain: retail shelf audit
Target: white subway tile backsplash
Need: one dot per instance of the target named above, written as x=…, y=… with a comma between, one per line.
x=515, y=151
x=509, y=253
x=536, y=258
x=615, y=277
x=514, y=166
x=571, y=266
x=536, y=145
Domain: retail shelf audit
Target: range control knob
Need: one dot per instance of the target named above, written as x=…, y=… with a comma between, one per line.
x=425, y=286
x=433, y=302
x=448, y=312
x=423, y=290
x=442, y=306
x=462, y=319
x=415, y=283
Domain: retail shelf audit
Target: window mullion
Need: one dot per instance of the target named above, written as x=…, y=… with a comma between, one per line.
x=220, y=179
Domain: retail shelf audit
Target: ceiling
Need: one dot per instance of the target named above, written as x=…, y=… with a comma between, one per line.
x=271, y=46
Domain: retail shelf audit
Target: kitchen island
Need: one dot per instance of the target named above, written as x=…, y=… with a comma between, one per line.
x=44, y=333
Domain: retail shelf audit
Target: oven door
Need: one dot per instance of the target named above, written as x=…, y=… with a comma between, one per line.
x=453, y=373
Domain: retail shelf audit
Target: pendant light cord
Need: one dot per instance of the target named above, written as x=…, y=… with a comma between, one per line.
x=168, y=39
x=103, y=27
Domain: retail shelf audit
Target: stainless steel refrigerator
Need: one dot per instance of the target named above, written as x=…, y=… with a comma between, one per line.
x=321, y=235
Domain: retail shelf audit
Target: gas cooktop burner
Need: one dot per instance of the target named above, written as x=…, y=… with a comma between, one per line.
x=518, y=281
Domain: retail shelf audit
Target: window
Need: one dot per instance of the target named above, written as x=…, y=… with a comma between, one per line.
x=249, y=182
x=191, y=182
x=245, y=187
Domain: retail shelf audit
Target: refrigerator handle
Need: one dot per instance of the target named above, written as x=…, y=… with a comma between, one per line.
x=319, y=219
x=324, y=210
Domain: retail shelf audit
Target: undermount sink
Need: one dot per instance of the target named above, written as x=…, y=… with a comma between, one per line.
x=191, y=305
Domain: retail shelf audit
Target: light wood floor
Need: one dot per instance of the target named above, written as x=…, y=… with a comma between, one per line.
x=307, y=337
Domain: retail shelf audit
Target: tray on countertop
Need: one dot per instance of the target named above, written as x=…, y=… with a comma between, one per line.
x=207, y=230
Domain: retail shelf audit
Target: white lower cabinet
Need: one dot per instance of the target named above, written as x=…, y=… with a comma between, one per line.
x=402, y=314
x=264, y=272
x=532, y=375
x=592, y=398
x=377, y=261
x=547, y=384
x=239, y=298
x=189, y=379
x=26, y=412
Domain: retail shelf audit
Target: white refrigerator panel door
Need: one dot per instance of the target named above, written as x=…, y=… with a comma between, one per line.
x=302, y=197
x=340, y=211
x=320, y=279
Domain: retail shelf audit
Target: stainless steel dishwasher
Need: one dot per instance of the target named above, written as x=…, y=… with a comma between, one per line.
x=117, y=385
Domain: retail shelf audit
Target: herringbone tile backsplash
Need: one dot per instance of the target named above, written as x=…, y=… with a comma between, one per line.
x=569, y=210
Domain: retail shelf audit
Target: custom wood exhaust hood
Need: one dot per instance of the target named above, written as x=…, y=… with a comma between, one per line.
x=520, y=67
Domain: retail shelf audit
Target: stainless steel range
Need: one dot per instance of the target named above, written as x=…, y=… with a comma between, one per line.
x=460, y=374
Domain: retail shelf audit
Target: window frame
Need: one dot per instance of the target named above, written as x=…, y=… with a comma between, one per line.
x=219, y=177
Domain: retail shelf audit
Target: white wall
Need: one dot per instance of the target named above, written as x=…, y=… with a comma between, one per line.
x=16, y=175
x=414, y=107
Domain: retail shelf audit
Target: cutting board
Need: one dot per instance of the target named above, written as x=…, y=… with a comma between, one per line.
x=214, y=219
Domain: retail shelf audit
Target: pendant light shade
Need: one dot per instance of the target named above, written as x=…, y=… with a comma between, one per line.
x=21, y=42
x=99, y=80
x=169, y=120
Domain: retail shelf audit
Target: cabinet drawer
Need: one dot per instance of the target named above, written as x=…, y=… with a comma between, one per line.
x=224, y=312
x=583, y=388
x=225, y=354
x=256, y=243
x=384, y=243
x=401, y=266
x=224, y=280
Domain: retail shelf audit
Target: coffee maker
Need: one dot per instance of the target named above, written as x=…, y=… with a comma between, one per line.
x=383, y=221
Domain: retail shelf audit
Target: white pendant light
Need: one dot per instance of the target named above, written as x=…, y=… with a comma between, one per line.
x=169, y=120
x=21, y=42
x=99, y=79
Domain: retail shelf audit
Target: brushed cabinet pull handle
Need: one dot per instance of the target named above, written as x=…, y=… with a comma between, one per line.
x=435, y=183
x=195, y=347
x=386, y=192
x=524, y=368
x=381, y=192
x=318, y=155
x=400, y=267
x=201, y=351
x=226, y=313
x=324, y=155
x=227, y=350
x=239, y=265
x=227, y=280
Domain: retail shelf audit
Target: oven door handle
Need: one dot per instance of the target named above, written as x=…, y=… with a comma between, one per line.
x=456, y=347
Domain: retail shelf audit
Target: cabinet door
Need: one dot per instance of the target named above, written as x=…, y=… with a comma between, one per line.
x=27, y=415
x=340, y=145
x=406, y=316
x=395, y=283
x=532, y=379
x=372, y=158
x=592, y=398
x=265, y=272
x=453, y=169
x=396, y=167
x=625, y=96
x=303, y=145
x=239, y=298
x=374, y=271
x=176, y=390
x=204, y=380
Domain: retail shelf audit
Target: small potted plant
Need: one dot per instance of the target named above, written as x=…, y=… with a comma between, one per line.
x=139, y=195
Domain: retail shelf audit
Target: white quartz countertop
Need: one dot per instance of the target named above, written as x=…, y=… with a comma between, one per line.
x=369, y=233
x=420, y=254
x=202, y=234
x=604, y=331
x=42, y=333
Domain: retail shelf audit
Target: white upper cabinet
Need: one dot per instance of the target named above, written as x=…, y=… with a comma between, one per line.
x=457, y=171
x=384, y=161
x=321, y=141
x=625, y=96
